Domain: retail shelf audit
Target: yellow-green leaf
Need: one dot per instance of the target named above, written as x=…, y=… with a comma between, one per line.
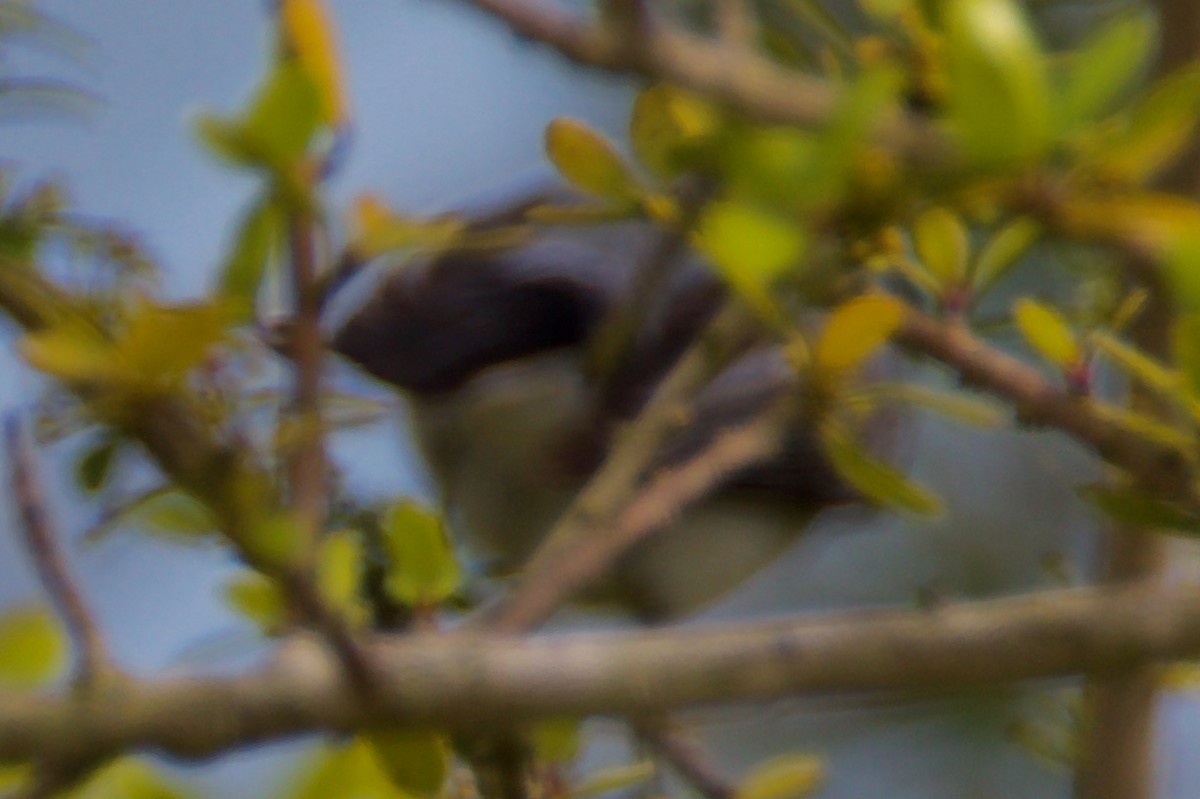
x=555, y=740
x=1002, y=251
x=589, y=161
x=128, y=778
x=943, y=244
x=33, y=647
x=416, y=761
x=1132, y=507
x=616, y=778
x=94, y=466
x=348, y=769
x=162, y=343
x=258, y=237
x=1153, y=132
x=258, y=599
x=377, y=229
x=70, y=351
x=999, y=97
x=973, y=410
x=284, y=115
x=787, y=777
x=12, y=776
x=1137, y=364
x=1104, y=66
x=174, y=512
x=340, y=571
x=1185, y=340
x=750, y=247
x=669, y=126
x=1047, y=332
x=422, y=569
x=855, y=330
x=308, y=28
x=275, y=541
x=877, y=481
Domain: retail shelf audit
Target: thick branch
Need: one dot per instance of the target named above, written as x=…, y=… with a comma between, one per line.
x=473, y=681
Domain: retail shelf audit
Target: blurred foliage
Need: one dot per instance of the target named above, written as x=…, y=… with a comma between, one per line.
x=1043, y=147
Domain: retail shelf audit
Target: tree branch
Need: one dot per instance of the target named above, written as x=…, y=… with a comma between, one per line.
x=471, y=681
x=734, y=76
x=42, y=545
x=1038, y=402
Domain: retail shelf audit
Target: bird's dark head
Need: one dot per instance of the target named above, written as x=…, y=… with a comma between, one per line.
x=430, y=328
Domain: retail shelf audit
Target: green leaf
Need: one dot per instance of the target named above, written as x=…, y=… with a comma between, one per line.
x=1002, y=252
x=174, y=512
x=1154, y=131
x=258, y=237
x=128, y=778
x=1103, y=67
x=1137, y=364
x=276, y=129
x=422, y=569
x=589, y=162
x=94, y=466
x=1185, y=347
x=787, y=777
x=875, y=480
x=70, y=351
x=309, y=29
x=999, y=98
x=1047, y=333
x=1131, y=507
x=971, y=410
x=750, y=247
x=348, y=770
x=258, y=599
x=284, y=115
x=669, y=127
x=416, y=761
x=943, y=244
x=162, y=343
x=225, y=140
x=616, y=778
x=275, y=541
x=379, y=229
x=33, y=647
x=556, y=740
x=855, y=330
x=340, y=571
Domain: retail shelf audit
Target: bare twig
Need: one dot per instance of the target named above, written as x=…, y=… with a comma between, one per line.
x=306, y=454
x=1039, y=402
x=42, y=544
x=688, y=760
x=556, y=569
x=743, y=80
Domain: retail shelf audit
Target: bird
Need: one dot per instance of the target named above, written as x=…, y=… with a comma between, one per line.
x=492, y=348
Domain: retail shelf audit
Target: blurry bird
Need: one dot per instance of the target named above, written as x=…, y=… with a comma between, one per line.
x=490, y=347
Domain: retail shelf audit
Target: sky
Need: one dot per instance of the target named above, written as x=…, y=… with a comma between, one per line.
x=448, y=105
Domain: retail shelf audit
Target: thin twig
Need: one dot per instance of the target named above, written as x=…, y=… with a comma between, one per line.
x=41, y=541
x=544, y=584
x=1040, y=403
x=689, y=761
x=306, y=459
x=742, y=80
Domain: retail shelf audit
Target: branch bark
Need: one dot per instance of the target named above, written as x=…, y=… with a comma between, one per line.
x=474, y=682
